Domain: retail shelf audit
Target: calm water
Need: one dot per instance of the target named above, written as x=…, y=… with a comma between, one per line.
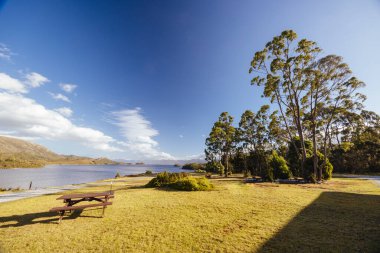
x=59, y=175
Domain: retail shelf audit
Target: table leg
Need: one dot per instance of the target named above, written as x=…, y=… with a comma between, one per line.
x=104, y=207
x=61, y=216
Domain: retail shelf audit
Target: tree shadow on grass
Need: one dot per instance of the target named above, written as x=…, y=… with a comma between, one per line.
x=34, y=218
x=335, y=222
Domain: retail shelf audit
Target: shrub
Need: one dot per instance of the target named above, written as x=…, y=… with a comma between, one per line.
x=192, y=184
x=193, y=166
x=267, y=175
x=216, y=167
x=326, y=170
x=148, y=172
x=180, y=181
x=200, y=171
x=279, y=167
x=165, y=178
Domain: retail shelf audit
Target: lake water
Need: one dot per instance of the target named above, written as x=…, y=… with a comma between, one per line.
x=59, y=175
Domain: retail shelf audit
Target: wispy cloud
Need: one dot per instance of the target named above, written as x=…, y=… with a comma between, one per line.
x=65, y=111
x=67, y=87
x=138, y=133
x=59, y=96
x=5, y=52
x=181, y=136
x=11, y=84
x=35, y=80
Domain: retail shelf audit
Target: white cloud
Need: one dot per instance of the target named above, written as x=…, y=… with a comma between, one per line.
x=65, y=111
x=139, y=134
x=25, y=117
x=35, y=80
x=11, y=84
x=59, y=96
x=5, y=52
x=68, y=87
x=181, y=136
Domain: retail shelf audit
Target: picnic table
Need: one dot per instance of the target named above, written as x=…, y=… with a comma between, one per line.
x=71, y=201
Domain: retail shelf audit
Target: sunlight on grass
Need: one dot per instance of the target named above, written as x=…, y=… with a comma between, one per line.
x=235, y=217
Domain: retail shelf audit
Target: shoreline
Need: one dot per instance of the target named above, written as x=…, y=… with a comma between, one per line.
x=74, y=164
x=7, y=197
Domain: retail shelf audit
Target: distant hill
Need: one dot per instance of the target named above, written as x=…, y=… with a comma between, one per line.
x=163, y=162
x=16, y=153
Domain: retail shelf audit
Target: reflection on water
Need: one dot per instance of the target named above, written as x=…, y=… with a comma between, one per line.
x=59, y=175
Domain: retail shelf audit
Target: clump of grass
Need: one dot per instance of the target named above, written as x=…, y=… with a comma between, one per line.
x=180, y=181
x=117, y=175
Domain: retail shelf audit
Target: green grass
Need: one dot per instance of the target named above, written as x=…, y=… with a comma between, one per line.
x=340, y=216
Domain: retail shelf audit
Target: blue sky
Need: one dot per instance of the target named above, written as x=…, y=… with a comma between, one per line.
x=147, y=79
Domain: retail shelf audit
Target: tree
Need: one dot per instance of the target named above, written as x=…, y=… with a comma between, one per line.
x=254, y=136
x=221, y=141
x=282, y=68
x=332, y=90
x=310, y=92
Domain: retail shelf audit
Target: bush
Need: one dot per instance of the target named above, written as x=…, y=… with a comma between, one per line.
x=215, y=167
x=279, y=167
x=165, y=178
x=192, y=184
x=180, y=181
x=326, y=170
x=267, y=174
x=193, y=166
x=148, y=172
x=200, y=171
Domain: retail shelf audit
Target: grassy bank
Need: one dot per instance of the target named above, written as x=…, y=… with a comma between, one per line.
x=340, y=216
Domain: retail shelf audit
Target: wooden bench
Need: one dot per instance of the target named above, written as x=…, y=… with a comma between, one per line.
x=71, y=200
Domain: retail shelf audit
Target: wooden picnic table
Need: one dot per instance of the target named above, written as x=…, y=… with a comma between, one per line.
x=71, y=201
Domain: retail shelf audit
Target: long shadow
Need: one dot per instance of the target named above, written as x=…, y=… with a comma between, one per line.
x=33, y=218
x=335, y=222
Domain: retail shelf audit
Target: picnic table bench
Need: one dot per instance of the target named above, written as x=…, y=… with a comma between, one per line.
x=71, y=200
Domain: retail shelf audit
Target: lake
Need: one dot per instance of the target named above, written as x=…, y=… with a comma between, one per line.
x=59, y=175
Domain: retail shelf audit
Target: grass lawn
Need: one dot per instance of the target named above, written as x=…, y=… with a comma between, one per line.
x=340, y=216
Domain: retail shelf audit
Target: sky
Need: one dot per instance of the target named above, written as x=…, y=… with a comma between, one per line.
x=147, y=79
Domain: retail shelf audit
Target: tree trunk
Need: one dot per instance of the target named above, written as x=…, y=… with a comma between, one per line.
x=315, y=157
x=226, y=172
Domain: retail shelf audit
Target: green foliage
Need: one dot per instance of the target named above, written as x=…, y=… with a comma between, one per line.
x=166, y=178
x=193, y=166
x=279, y=167
x=180, y=181
x=327, y=167
x=200, y=171
x=293, y=157
x=221, y=141
x=192, y=184
x=215, y=167
x=361, y=157
x=148, y=172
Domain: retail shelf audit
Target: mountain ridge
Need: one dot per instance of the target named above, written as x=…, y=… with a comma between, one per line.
x=17, y=153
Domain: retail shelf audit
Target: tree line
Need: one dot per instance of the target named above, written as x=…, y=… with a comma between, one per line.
x=315, y=119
